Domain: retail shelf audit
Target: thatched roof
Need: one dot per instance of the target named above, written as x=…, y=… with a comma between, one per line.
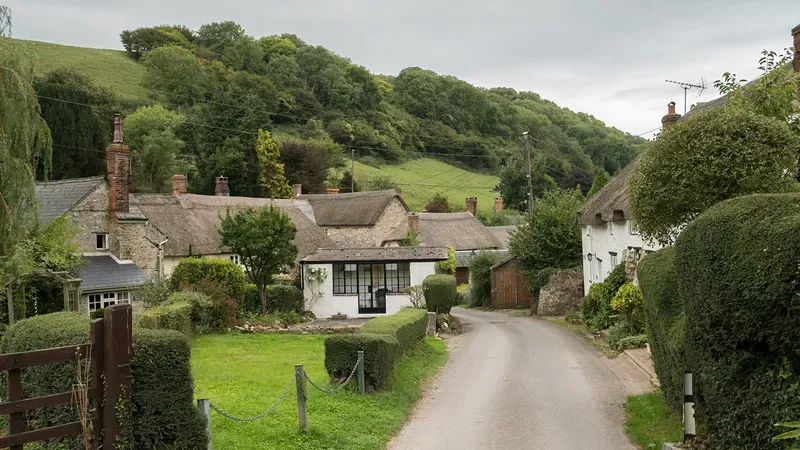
x=57, y=197
x=193, y=220
x=460, y=230
x=611, y=202
x=350, y=209
x=418, y=254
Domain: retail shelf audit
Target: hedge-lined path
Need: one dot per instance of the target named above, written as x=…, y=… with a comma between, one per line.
x=523, y=383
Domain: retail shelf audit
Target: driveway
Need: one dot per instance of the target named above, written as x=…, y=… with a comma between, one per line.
x=523, y=383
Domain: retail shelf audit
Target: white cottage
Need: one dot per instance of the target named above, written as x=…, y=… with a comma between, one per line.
x=365, y=282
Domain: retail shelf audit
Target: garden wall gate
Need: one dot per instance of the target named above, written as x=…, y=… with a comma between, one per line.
x=109, y=351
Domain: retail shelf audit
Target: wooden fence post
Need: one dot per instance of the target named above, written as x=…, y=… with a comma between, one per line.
x=16, y=423
x=361, y=387
x=204, y=405
x=97, y=333
x=118, y=350
x=300, y=378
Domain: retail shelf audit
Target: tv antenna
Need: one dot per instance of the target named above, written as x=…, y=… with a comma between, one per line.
x=701, y=85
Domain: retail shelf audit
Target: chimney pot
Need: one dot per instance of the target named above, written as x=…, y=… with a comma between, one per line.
x=671, y=118
x=498, y=205
x=222, y=189
x=332, y=191
x=179, y=184
x=472, y=206
x=117, y=129
x=118, y=171
x=297, y=189
x=413, y=223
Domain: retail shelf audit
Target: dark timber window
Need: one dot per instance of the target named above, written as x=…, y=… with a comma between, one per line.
x=371, y=282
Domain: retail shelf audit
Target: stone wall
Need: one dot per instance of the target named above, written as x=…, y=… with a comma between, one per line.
x=135, y=246
x=366, y=237
x=562, y=293
x=91, y=214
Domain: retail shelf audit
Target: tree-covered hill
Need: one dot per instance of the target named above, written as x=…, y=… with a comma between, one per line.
x=209, y=91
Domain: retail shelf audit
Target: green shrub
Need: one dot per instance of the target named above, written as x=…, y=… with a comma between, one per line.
x=174, y=316
x=289, y=317
x=737, y=267
x=574, y=317
x=462, y=294
x=597, y=311
x=665, y=320
x=440, y=292
x=480, y=279
x=162, y=380
x=191, y=271
x=284, y=298
x=448, y=266
x=408, y=326
x=251, y=302
x=224, y=311
x=381, y=352
x=635, y=341
x=627, y=300
x=154, y=291
x=97, y=313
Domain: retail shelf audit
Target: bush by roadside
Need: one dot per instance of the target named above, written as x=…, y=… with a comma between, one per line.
x=408, y=326
x=381, y=352
x=440, y=292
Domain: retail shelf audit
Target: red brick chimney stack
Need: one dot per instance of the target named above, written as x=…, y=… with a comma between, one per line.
x=179, y=184
x=413, y=222
x=297, y=189
x=671, y=118
x=222, y=189
x=118, y=171
x=472, y=206
x=498, y=205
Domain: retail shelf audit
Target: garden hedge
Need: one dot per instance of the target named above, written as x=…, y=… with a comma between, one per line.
x=480, y=278
x=381, y=352
x=284, y=298
x=191, y=271
x=440, y=292
x=408, y=326
x=163, y=412
x=666, y=321
x=175, y=316
x=737, y=268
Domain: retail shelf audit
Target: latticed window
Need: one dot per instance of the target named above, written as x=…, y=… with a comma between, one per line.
x=345, y=280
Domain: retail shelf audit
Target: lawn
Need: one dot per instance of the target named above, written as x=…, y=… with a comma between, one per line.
x=244, y=374
x=651, y=422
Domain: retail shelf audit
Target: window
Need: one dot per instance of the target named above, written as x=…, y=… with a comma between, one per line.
x=394, y=277
x=612, y=256
x=344, y=279
x=106, y=299
x=235, y=259
x=633, y=227
x=94, y=302
x=102, y=241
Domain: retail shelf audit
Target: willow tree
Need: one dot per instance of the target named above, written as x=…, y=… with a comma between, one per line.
x=24, y=143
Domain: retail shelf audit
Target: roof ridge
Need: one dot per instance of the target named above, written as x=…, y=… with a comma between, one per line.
x=71, y=180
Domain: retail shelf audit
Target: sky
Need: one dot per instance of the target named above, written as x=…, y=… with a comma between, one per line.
x=609, y=59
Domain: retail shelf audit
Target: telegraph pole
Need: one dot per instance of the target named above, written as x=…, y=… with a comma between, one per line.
x=352, y=170
x=528, y=160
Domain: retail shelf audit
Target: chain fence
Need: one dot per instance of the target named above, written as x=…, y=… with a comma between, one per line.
x=341, y=386
x=256, y=417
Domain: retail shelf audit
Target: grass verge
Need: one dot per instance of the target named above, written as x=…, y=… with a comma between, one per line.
x=599, y=344
x=244, y=374
x=650, y=421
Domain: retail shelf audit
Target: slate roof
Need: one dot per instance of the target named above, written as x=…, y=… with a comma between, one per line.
x=194, y=220
x=104, y=273
x=377, y=254
x=350, y=209
x=460, y=230
x=464, y=258
x=502, y=234
x=57, y=197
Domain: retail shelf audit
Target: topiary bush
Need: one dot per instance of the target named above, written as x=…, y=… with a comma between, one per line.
x=408, y=326
x=174, y=316
x=440, y=292
x=737, y=270
x=284, y=298
x=222, y=271
x=381, y=352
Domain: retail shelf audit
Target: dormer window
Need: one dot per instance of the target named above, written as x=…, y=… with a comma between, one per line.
x=101, y=241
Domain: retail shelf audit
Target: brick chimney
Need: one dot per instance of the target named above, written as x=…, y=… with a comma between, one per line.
x=498, y=205
x=297, y=189
x=179, y=184
x=332, y=191
x=413, y=222
x=472, y=206
x=671, y=118
x=222, y=189
x=796, y=35
x=118, y=163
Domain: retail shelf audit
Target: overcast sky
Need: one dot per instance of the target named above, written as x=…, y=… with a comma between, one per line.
x=607, y=58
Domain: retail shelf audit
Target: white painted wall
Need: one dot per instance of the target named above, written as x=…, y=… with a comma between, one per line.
x=328, y=304
x=171, y=261
x=601, y=241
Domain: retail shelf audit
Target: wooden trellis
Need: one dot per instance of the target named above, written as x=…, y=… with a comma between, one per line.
x=71, y=289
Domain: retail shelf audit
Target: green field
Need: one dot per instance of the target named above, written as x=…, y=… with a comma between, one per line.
x=419, y=179
x=244, y=375
x=111, y=69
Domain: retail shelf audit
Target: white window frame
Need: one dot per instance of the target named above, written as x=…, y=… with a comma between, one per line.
x=633, y=228
x=104, y=236
x=612, y=259
x=103, y=300
x=236, y=259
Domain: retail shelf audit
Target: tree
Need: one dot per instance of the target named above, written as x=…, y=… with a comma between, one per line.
x=438, y=204
x=263, y=240
x=308, y=162
x=141, y=40
x=550, y=237
x=24, y=142
x=513, y=186
x=600, y=179
x=716, y=155
x=150, y=119
x=347, y=183
x=449, y=265
x=270, y=172
x=283, y=71
x=219, y=36
x=380, y=183
x=175, y=75
x=151, y=134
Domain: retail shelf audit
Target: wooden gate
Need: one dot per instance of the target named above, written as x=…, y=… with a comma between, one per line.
x=510, y=288
x=110, y=349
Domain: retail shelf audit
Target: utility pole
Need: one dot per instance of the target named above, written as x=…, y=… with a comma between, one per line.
x=528, y=160
x=352, y=170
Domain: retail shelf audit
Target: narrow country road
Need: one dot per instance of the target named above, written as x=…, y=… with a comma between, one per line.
x=523, y=383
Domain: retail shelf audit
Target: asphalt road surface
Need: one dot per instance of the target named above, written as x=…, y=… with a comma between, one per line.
x=523, y=383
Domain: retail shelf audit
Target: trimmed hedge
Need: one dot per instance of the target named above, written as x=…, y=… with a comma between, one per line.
x=666, y=322
x=440, y=292
x=408, y=326
x=163, y=412
x=175, y=316
x=251, y=302
x=191, y=271
x=737, y=268
x=381, y=352
x=284, y=298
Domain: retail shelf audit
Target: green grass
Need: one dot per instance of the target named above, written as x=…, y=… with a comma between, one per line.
x=111, y=69
x=458, y=184
x=650, y=422
x=244, y=374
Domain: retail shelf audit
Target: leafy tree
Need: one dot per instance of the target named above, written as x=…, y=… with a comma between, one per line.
x=480, y=278
x=270, y=172
x=380, y=183
x=54, y=247
x=308, y=162
x=347, y=184
x=448, y=266
x=283, y=71
x=263, y=240
x=245, y=54
x=141, y=40
x=438, y=204
x=600, y=179
x=513, y=185
x=716, y=155
x=550, y=237
x=231, y=159
x=150, y=119
x=219, y=36
x=277, y=46
x=627, y=300
x=174, y=75
x=155, y=161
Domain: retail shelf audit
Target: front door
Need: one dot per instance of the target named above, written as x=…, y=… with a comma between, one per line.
x=371, y=289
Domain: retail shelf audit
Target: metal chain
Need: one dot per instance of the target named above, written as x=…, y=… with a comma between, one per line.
x=250, y=419
x=341, y=386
